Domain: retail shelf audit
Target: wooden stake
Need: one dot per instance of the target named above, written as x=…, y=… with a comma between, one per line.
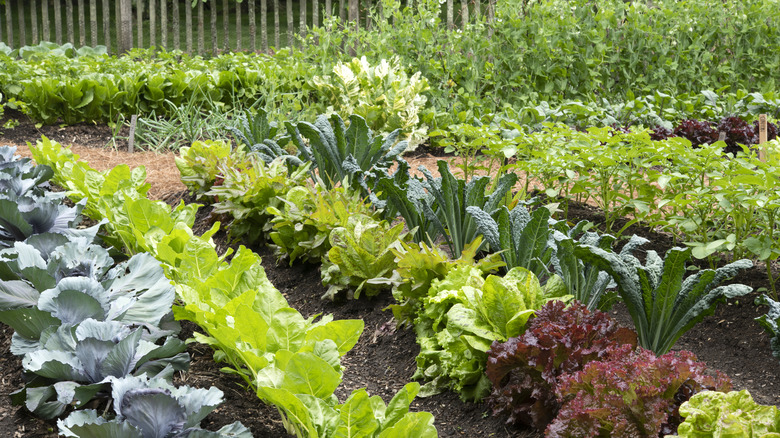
x=131, y=138
x=762, y=136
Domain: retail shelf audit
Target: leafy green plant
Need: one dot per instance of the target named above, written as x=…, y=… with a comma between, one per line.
x=339, y=153
x=259, y=136
x=383, y=95
x=418, y=265
x=662, y=305
x=76, y=365
x=521, y=237
x=200, y=164
x=712, y=413
x=460, y=318
x=451, y=198
x=303, y=222
x=771, y=322
x=151, y=407
x=248, y=190
x=361, y=258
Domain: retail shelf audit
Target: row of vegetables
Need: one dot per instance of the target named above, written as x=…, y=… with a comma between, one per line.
x=469, y=321
x=470, y=324
x=91, y=332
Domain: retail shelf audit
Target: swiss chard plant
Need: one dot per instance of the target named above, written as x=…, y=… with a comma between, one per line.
x=361, y=259
x=560, y=340
x=144, y=407
x=662, y=304
x=630, y=393
x=383, y=95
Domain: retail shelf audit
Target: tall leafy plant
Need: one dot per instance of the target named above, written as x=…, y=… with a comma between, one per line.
x=662, y=304
x=338, y=153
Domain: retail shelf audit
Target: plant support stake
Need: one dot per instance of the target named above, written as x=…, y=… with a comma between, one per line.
x=762, y=136
x=131, y=138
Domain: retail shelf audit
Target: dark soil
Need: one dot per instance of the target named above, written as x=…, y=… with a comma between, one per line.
x=384, y=360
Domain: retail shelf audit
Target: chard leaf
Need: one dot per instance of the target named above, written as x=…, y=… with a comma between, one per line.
x=296, y=412
x=288, y=330
x=307, y=373
x=344, y=332
x=356, y=418
x=399, y=405
x=416, y=424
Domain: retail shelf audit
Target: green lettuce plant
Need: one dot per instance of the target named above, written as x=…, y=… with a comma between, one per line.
x=418, y=265
x=461, y=316
x=248, y=190
x=303, y=221
x=200, y=164
x=661, y=303
x=361, y=257
x=721, y=414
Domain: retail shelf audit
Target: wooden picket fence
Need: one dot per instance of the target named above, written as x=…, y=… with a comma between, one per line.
x=124, y=24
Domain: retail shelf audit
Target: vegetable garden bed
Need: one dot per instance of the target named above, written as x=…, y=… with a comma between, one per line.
x=383, y=360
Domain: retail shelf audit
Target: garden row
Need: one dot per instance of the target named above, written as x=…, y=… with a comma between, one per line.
x=290, y=362
x=457, y=312
x=91, y=331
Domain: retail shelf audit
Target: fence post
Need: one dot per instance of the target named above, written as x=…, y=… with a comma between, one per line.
x=93, y=22
x=201, y=29
x=238, y=25
x=106, y=27
x=253, y=25
x=125, y=26
x=176, y=37
x=45, y=20
x=82, y=24
x=9, y=24
x=464, y=14
x=139, y=24
x=491, y=16
x=450, y=15
x=164, y=24
x=152, y=23
x=188, y=27
x=69, y=21
x=315, y=14
x=477, y=9
x=289, y=23
x=354, y=13
x=22, y=26
x=214, y=42
x=303, y=17
x=225, y=25
x=277, y=25
x=34, y=21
